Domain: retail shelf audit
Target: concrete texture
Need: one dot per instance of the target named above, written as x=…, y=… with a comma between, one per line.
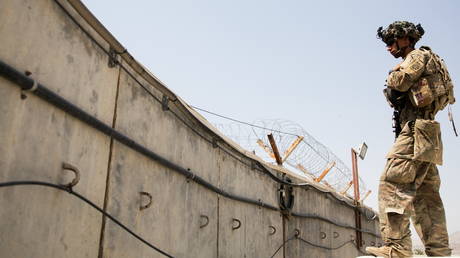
x=322, y=233
x=35, y=138
x=253, y=238
x=173, y=220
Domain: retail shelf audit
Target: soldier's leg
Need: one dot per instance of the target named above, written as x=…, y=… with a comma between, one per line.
x=429, y=219
x=396, y=193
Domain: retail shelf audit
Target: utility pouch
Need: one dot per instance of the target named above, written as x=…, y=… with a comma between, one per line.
x=427, y=141
x=421, y=94
x=394, y=98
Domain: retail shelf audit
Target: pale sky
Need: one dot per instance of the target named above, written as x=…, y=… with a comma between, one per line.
x=317, y=63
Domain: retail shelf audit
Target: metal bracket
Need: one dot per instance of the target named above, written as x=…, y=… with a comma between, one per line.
x=261, y=203
x=253, y=165
x=143, y=207
x=164, y=103
x=67, y=166
x=191, y=176
x=23, y=94
x=286, y=198
x=214, y=142
x=113, y=61
x=207, y=221
x=238, y=225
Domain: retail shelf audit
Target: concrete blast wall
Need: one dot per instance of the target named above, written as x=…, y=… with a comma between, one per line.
x=66, y=54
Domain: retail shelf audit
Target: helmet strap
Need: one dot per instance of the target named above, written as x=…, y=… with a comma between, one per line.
x=401, y=50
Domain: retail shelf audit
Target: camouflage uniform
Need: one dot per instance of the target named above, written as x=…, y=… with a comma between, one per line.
x=409, y=185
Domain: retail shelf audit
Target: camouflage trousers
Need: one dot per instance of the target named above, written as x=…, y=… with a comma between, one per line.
x=408, y=189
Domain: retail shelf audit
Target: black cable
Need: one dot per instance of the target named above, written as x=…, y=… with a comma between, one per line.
x=284, y=243
x=314, y=216
x=316, y=245
x=69, y=190
x=41, y=91
x=81, y=27
x=26, y=83
x=325, y=247
x=241, y=122
x=304, y=185
x=358, y=248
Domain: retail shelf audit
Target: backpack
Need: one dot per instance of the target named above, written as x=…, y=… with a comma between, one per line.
x=435, y=85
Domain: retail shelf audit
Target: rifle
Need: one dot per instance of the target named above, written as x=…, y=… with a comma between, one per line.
x=396, y=123
x=396, y=100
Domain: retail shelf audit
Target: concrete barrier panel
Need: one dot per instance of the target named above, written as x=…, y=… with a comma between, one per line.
x=35, y=138
x=179, y=207
x=318, y=232
x=175, y=220
x=141, y=117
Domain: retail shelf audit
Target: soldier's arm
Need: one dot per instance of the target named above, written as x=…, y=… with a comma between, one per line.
x=410, y=71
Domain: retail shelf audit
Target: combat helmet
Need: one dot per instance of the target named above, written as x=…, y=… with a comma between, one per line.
x=400, y=29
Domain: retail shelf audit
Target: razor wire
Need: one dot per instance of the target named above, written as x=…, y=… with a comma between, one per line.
x=309, y=158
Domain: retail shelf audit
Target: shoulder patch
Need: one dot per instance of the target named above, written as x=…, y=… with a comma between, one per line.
x=417, y=56
x=416, y=66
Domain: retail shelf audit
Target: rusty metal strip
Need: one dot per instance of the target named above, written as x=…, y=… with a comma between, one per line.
x=279, y=161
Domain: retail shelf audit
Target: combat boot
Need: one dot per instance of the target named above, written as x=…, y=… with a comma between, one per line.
x=388, y=252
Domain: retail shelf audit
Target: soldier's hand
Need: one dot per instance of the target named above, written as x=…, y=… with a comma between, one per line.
x=397, y=67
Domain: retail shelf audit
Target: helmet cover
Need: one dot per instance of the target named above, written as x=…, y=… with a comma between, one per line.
x=400, y=29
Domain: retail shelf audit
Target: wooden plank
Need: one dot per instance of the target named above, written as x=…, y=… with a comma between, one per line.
x=291, y=148
x=325, y=172
x=266, y=148
x=275, y=151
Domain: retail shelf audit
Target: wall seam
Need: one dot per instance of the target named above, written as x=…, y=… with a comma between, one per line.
x=218, y=200
x=218, y=221
x=109, y=167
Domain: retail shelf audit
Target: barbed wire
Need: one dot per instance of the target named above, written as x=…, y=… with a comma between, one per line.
x=309, y=158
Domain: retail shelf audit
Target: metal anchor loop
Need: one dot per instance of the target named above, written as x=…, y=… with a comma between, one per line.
x=297, y=233
x=206, y=218
x=143, y=207
x=67, y=166
x=336, y=234
x=273, y=230
x=323, y=235
x=238, y=225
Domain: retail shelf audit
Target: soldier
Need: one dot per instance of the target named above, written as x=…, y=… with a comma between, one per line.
x=417, y=88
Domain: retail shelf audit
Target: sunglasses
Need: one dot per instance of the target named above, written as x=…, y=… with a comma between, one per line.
x=390, y=42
